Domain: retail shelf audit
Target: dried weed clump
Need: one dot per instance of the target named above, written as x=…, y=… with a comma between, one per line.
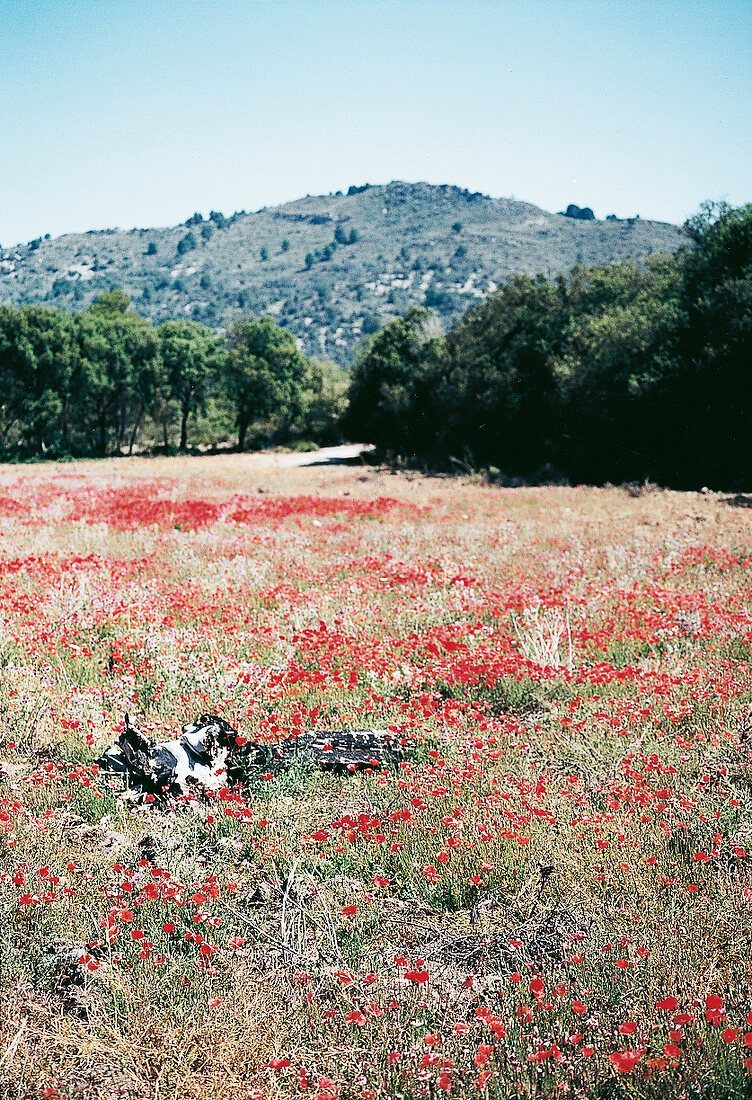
x=549, y=895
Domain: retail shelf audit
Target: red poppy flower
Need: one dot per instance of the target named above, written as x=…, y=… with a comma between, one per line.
x=417, y=976
x=279, y=1063
x=625, y=1060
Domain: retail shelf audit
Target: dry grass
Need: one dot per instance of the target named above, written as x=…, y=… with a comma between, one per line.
x=570, y=670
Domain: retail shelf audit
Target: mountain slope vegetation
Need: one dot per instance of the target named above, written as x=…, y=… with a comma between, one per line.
x=331, y=268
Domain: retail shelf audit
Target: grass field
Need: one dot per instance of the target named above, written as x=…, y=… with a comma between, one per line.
x=550, y=896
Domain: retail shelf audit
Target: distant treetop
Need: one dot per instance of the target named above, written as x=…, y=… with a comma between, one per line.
x=111, y=302
x=584, y=213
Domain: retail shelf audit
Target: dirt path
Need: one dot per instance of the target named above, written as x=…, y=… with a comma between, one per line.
x=323, y=456
x=221, y=464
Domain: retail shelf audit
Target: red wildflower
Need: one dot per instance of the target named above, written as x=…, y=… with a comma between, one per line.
x=417, y=976
x=625, y=1060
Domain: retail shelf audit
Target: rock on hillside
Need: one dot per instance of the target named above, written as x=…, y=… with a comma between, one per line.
x=330, y=267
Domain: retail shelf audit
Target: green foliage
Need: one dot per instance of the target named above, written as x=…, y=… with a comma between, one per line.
x=713, y=391
x=324, y=402
x=582, y=213
x=191, y=356
x=265, y=373
x=498, y=387
x=115, y=351
x=615, y=372
x=112, y=303
x=187, y=244
x=36, y=358
x=88, y=383
x=440, y=300
x=391, y=393
x=614, y=356
x=416, y=238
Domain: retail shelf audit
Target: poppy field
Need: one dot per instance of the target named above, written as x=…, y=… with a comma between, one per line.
x=549, y=895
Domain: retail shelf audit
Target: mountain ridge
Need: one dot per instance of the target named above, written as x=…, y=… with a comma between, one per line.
x=329, y=267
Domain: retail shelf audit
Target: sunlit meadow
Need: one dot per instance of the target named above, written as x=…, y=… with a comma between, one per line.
x=551, y=895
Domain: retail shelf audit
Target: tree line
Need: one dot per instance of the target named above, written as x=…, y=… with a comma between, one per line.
x=615, y=373
x=612, y=373
x=106, y=381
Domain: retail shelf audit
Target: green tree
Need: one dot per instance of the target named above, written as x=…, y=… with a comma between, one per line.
x=192, y=358
x=118, y=372
x=712, y=383
x=110, y=304
x=35, y=376
x=187, y=244
x=391, y=396
x=146, y=379
x=612, y=362
x=324, y=401
x=101, y=378
x=499, y=389
x=265, y=373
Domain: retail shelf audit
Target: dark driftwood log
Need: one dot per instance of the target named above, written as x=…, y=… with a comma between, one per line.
x=206, y=756
x=342, y=750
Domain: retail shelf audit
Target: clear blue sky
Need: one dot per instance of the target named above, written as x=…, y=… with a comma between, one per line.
x=139, y=112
